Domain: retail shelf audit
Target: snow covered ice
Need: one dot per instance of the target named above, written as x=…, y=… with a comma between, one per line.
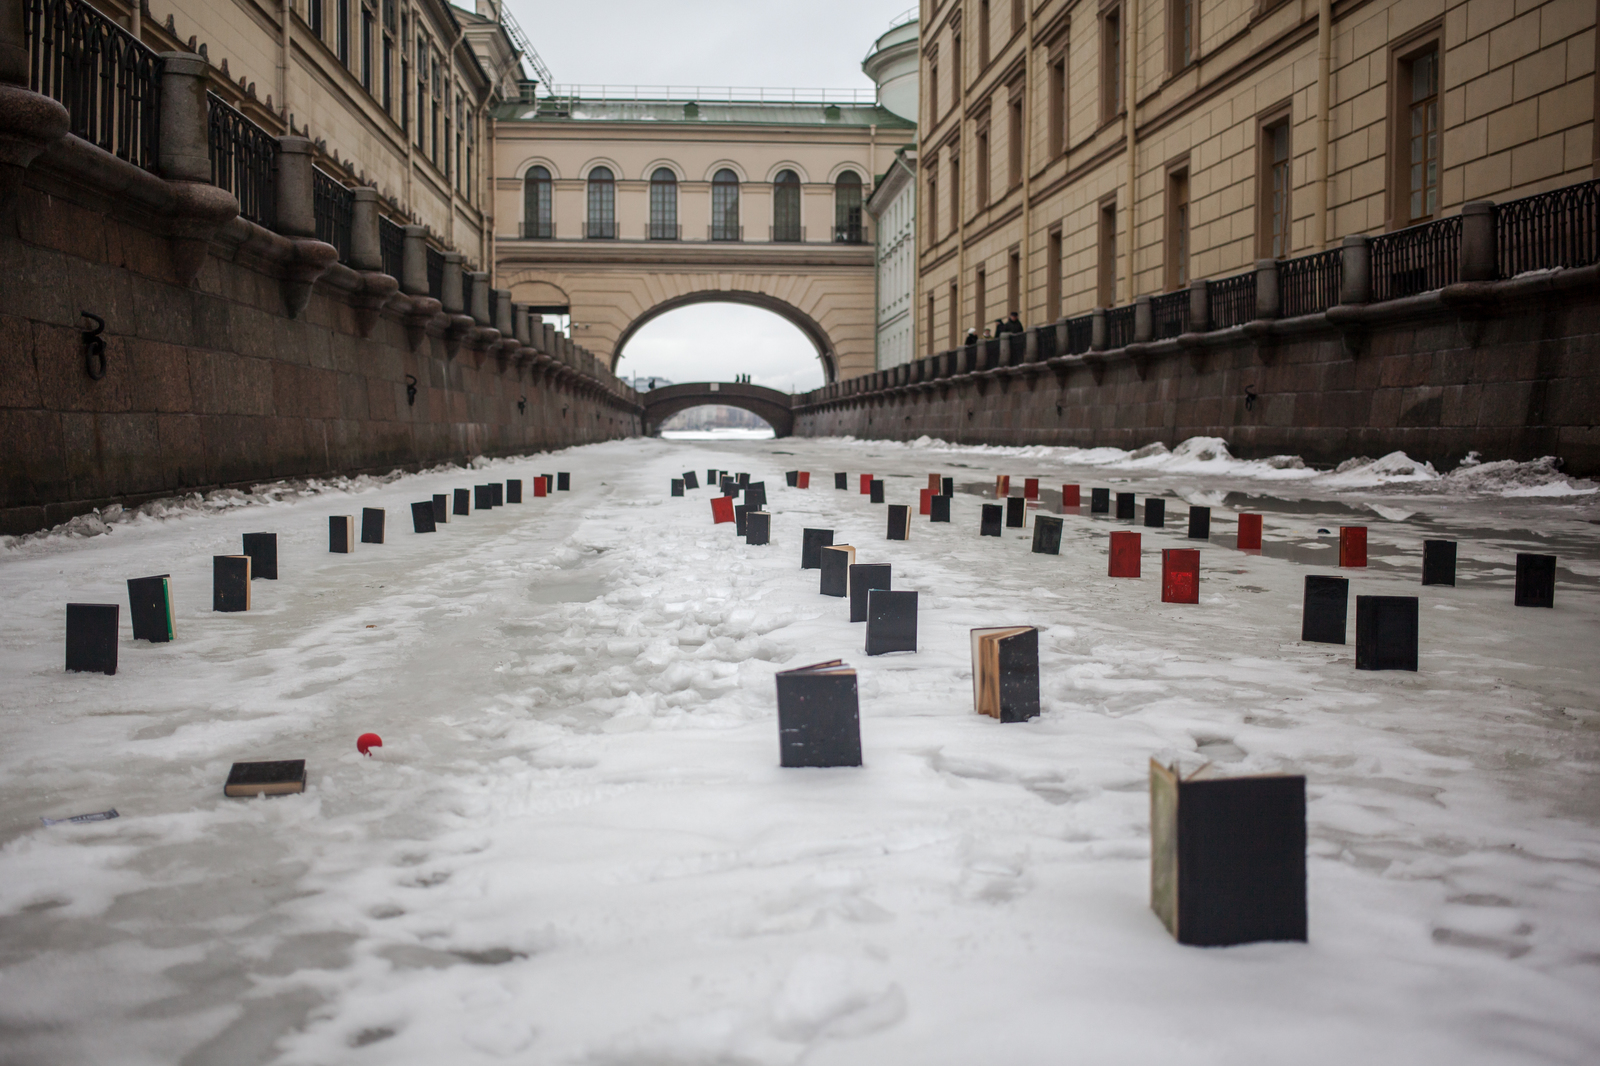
x=576, y=844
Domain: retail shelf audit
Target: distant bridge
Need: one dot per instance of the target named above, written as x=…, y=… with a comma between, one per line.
x=770, y=404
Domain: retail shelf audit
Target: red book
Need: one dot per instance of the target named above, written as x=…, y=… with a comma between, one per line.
x=1124, y=554
x=1002, y=486
x=924, y=496
x=538, y=487
x=1180, y=575
x=1030, y=489
x=1249, y=532
x=804, y=480
x=721, y=509
x=1352, y=545
x=866, y=484
x=1069, y=496
x=933, y=484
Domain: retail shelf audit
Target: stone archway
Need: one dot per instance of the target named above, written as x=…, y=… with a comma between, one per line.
x=788, y=312
x=769, y=404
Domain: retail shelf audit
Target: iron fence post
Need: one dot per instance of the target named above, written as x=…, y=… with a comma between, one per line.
x=295, y=203
x=1268, y=302
x=1097, y=330
x=480, y=294
x=1355, y=270
x=1480, y=259
x=185, y=147
x=1144, y=323
x=450, y=289
x=14, y=42
x=414, y=263
x=502, y=312
x=1199, y=306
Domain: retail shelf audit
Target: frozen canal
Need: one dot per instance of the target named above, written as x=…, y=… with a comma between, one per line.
x=576, y=844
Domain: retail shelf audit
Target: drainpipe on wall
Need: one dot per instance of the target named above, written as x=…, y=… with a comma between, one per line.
x=1130, y=105
x=1027, y=161
x=1324, y=91
x=285, y=48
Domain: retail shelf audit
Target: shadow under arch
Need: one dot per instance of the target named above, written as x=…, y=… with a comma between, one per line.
x=788, y=311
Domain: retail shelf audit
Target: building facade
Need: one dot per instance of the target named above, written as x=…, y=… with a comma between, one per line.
x=893, y=207
x=1257, y=129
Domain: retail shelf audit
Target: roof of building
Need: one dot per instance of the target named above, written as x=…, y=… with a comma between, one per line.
x=559, y=108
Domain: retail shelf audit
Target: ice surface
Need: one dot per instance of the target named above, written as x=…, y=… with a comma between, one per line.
x=576, y=844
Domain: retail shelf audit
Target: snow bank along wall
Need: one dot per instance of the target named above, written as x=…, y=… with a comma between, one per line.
x=1321, y=357
x=235, y=353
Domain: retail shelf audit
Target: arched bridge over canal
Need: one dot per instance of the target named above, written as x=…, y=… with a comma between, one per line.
x=770, y=404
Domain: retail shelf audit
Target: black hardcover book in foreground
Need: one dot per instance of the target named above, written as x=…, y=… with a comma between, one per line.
x=266, y=778
x=462, y=502
x=563, y=482
x=341, y=533
x=993, y=515
x=1125, y=506
x=1438, y=562
x=739, y=514
x=372, y=525
x=513, y=490
x=791, y=478
x=812, y=541
x=1005, y=672
x=864, y=577
x=1099, y=501
x=757, y=527
x=742, y=477
x=836, y=560
x=711, y=477
x=677, y=486
x=755, y=493
x=899, y=521
x=1386, y=632
x=1199, y=523
x=938, y=508
x=1155, y=513
x=891, y=621
x=92, y=637
x=1228, y=857
x=877, y=490
x=1327, y=604
x=441, y=508
x=422, y=517
x=230, y=582
x=1536, y=580
x=482, y=498
x=841, y=480
x=497, y=494
x=729, y=486
x=949, y=487
x=819, y=716
x=263, y=551
x=549, y=483
x=1016, y=512
x=690, y=481
x=150, y=608
x=1046, y=534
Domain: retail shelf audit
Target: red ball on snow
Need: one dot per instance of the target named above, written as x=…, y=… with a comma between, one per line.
x=366, y=741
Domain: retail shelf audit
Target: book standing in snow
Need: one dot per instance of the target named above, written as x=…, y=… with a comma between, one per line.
x=1155, y=513
x=939, y=509
x=721, y=509
x=230, y=582
x=281, y=778
x=835, y=561
x=841, y=480
x=1124, y=554
x=513, y=490
x=1046, y=535
x=1199, y=523
x=1125, y=507
x=899, y=521
x=341, y=532
x=1352, y=545
x=876, y=493
x=891, y=621
x=1438, y=562
x=263, y=551
x=462, y=502
x=757, y=527
x=1005, y=672
x=1016, y=512
x=422, y=517
x=563, y=482
x=92, y=637
x=677, y=486
x=497, y=494
x=1099, y=501
x=441, y=509
x=819, y=716
x=1249, y=538
x=372, y=525
x=1386, y=632
x=690, y=481
x=812, y=541
x=1070, y=497
x=150, y=608
x=989, y=524
x=864, y=577
x=482, y=498
x=1327, y=604
x=1536, y=580
x=1180, y=575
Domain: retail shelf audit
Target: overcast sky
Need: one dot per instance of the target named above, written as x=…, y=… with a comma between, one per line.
x=816, y=44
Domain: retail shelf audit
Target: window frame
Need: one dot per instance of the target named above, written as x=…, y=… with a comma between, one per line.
x=1112, y=60
x=1401, y=57
x=849, y=221
x=1016, y=130
x=983, y=164
x=600, y=192
x=1178, y=60
x=1053, y=278
x=720, y=228
x=1056, y=87
x=1267, y=125
x=539, y=192
x=786, y=201
x=1178, y=226
x=663, y=203
x=1106, y=242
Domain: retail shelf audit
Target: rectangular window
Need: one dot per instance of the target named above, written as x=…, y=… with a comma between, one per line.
x=933, y=209
x=388, y=74
x=1052, y=281
x=1420, y=88
x=1058, y=105
x=1107, y=283
x=955, y=316
x=367, y=22
x=930, y=324
x=980, y=298
x=955, y=194
x=983, y=33
x=1110, y=65
x=1019, y=17
x=1177, y=257
x=956, y=74
x=1014, y=136
x=1182, y=16
x=1273, y=194
x=933, y=92
x=982, y=167
x=314, y=17
x=1014, y=283
x=341, y=33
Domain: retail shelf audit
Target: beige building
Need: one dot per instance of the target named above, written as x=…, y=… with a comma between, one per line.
x=616, y=206
x=1258, y=129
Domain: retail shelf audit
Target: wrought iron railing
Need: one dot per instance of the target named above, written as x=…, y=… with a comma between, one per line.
x=1046, y=343
x=107, y=80
x=435, y=273
x=244, y=160
x=1310, y=283
x=335, y=208
x=539, y=231
x=1560, y=228
x=494, y=307
x=392, y=247
x=1416, y=259
x=1232, y=300
x=991, y=353
x=848, y=234
x=468, y=283
x=600, y=231
x=1119, y=327
x=1080, y=334
x=725, y=231
x=1169, y=314
x=664, y=231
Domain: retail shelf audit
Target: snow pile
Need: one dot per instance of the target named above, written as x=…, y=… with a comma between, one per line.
x=1507, y=477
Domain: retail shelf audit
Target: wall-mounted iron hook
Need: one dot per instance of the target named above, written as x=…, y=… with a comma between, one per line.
x=1250, y=397
x=94, y=347
x=411, y=391
x=522, y=405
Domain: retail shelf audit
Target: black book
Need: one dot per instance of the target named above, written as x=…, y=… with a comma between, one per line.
x=1386, y=632
x=711, y=477
x=757, y=527
x=729, y=486
x=513, y=490
x=497, y=494
x=1005, y=672
x=482, y=498
x=462, y=502
x=341, y=533
x=819, y=716
x=92, y=637
x=755, y=493
x=864, y=577
x=877, y=490
x=993, y=515
x=1199, y=523
x=899, y=521
x=836, y=560
x=564, y=482
x=230, y=582
x=677, y=486
x=939, y=509
x=1047, y=535
x=791, y=478
x=1536, y=580
x=891, y=621
x=739, y=514
x=1327, y=604
x=266, y=778
x=1099, y=501
x=743, y=478
x=549, y=483
x=422, y=517
x=1155, y=513
x=690, y=481
x=263, y=551
x=372, y=525
x=949, y=487
x=1125, y=506
x=1016, y=512
x=841, y=481
x=441, y=508
x=812, y=541
x=150, y=608
x=1438, y=562
x=1228, y=857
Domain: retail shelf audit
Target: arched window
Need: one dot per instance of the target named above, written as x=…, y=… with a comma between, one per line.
x=536, y=204
x=602, y=222
x=663, y=205
x=847, y=208
x=786, y=207
x=725, y=206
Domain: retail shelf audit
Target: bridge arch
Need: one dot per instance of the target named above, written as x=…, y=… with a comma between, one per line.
x=770, y=404
x=815, y=333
